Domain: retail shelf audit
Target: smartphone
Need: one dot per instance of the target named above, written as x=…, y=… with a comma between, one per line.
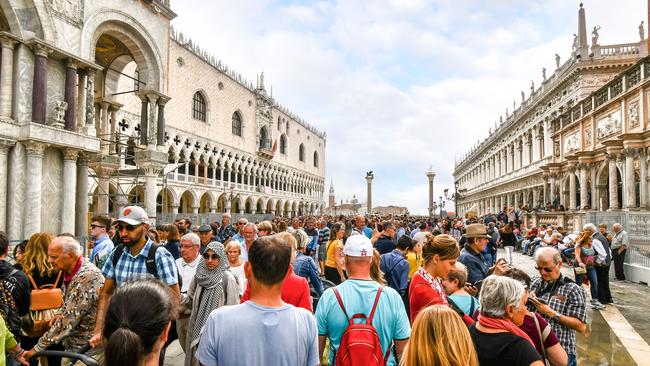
x=477, y=284
x=532, y=295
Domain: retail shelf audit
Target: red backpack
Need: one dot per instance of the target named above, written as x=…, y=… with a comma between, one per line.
x=360, y=342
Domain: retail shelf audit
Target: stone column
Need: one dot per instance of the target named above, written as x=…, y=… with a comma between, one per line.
x=71, y=97
x=174, y=211
x=81, y=193
x=369, y=178
x=90, y=102
x=195, y=210
x=630, y=186
x=6, y=77
x=431, y=175
x=144, y=120
x=643, y=175
x=150, y=189
x=33, y=187
x=16, y=178
x=4, y=169
x=572, y=190
x=552, y=189
x=594, y=189
x=81, y=97
x=153, y=111
x=39, y=89
x=613, y=182
x=544, y=190
x=584, y=187
x=160, y=136
x=113, y=134
x=69, y=190
x=102, y=131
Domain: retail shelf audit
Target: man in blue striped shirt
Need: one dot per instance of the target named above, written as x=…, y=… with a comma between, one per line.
x=132, y=225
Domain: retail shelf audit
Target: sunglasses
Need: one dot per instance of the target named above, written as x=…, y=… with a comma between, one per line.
x=93, y=226
x=208, y=256
x=547, y=270
x=126, y=227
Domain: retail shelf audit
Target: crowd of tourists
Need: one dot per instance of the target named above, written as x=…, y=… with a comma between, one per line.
x=306, y=291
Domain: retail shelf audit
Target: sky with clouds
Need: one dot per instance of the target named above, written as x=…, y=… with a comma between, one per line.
x=398, y=85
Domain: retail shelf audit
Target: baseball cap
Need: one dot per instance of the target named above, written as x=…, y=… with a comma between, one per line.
x=133, y=215
x=358, y=246
x=205, y=228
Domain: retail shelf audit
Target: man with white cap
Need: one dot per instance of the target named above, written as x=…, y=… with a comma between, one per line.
x=358, y=295
x=132, y=260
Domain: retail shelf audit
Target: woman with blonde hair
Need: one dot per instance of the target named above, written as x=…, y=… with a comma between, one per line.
x=375, y=272
x=265, y=228
x=40, y=274
x=439, y=254
x=586, y=257
x=439, y=338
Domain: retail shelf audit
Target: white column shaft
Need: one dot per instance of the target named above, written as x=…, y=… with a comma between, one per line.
x=33, y=194
x=6, y=80
x=69, y=195
x=630, y=186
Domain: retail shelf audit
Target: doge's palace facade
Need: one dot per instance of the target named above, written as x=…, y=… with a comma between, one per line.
x=103, y=104
x=577, y=144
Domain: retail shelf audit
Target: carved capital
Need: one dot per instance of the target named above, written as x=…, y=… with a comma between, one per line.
x=633, y=152
x=41, y=50
x=5, y=145
x=35, y=148
x=6, y=42
x=82, y=159
x=70, y=154
x=71, y=63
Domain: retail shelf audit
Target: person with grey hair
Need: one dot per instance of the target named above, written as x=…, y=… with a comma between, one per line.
x=604, y=262
x=75, y=321
x=497, y=336
x=559, y=300
x=226, y=231
x=620, y=241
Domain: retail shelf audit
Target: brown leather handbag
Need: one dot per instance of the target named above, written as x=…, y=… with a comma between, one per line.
x=46, y=300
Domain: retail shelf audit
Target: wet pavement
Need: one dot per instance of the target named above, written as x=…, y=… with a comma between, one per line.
x=602, y=346
x=619, y=334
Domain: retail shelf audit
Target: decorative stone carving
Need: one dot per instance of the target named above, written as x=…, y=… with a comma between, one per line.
x=588, y=136
x=60, y=109
x=610, y=124
x=594, y=36
x=572, y=143
x=633, y=114
x=69, y=10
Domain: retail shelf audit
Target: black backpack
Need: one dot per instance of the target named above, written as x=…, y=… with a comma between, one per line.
x=8, y=307
x=150, y=262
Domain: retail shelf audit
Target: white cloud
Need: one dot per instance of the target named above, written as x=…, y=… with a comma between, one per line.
x=398, y=85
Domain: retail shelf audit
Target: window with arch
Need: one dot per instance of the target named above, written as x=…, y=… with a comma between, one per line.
x=283, y=144
x=236, y=124
x=199, y=107
x=279, y=120
x=301, y=152
x=315, y=159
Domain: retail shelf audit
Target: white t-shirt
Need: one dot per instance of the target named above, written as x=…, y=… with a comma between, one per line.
x=238, y=272
x=187, y=271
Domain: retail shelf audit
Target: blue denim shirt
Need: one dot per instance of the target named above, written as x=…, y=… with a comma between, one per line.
x=305, y=267
x=477, y=268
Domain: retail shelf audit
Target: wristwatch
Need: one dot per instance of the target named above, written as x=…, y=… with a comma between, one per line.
x=556, y=316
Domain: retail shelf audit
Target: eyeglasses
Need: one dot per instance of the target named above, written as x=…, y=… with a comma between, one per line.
x=241, y=223
x=208, y=256
x=190, y=246
x=126, y=227
x=93, y=226
x=547, y=270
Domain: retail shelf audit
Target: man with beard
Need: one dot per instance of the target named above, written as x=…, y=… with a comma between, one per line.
x=131, y=262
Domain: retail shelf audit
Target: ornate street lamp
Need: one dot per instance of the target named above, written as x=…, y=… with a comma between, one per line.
x=457, y=195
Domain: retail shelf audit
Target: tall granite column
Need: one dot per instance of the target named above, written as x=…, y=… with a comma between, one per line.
x=431, y=175
x=630, y=184
x=71, y=96
x=4, y=169
x=33, y=188
x=643, y=174
x=69, y=190
x=369, y=178
x=90, y=102
x=613, y=182
x=81, y=193
x=584, y=187
x=39, y=89
x=6, y=77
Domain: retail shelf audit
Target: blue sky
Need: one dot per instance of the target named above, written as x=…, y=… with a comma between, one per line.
x=398, y=85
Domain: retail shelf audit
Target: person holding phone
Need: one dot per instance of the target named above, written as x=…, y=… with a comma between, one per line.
x=471, y=256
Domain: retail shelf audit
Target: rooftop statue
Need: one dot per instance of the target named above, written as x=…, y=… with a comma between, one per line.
x=594, y=36
x=575, y=42
x=544, y=73
x=641, y=31
x=557, y=60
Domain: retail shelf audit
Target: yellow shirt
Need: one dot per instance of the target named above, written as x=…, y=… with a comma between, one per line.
x=415, y=262
x=331, y=248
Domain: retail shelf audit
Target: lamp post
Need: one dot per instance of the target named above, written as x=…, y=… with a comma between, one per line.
x=441, y=205
x=457, y=195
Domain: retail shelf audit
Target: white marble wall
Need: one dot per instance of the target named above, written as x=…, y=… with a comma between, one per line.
x=51, y=188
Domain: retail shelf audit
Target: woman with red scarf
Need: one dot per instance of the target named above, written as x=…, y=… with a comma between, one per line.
x=439, y=254
x=497, y=336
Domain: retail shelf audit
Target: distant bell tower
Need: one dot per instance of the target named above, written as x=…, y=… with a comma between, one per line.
x=332, y=200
